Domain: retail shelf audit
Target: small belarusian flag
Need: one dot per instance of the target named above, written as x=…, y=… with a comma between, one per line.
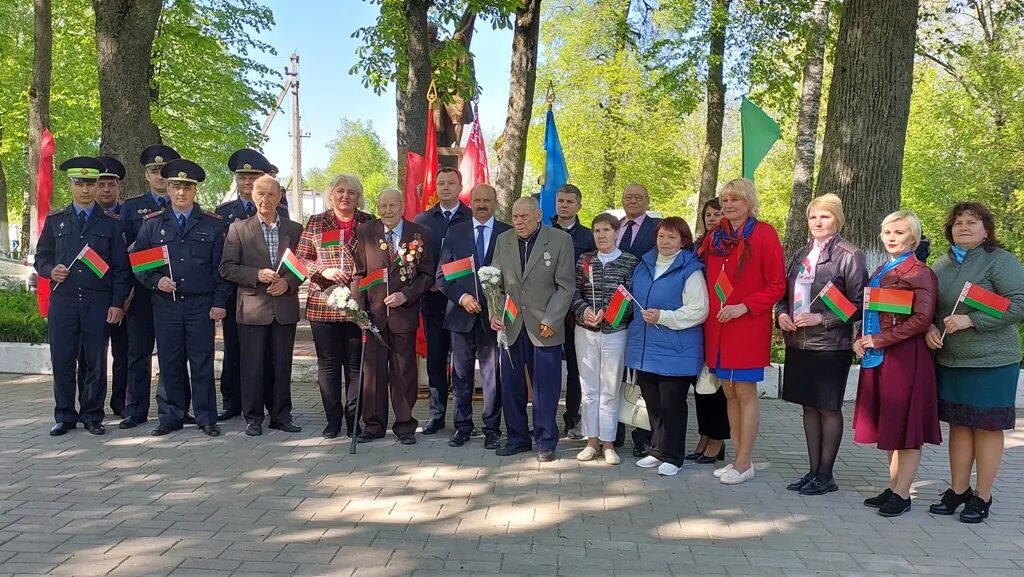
x=458, y=268
x=292, y=263
x=372, y=279
x=805, y=266
x=618, y=306
x=723, y=288
x=149, y=258
x=330, y=238
x=984, y=300
x=511, y=310
x=888, y=300
x=93, y=260
x=588, y=272
x=837, y=301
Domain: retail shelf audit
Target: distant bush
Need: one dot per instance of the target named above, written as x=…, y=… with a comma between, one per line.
x=19, y=317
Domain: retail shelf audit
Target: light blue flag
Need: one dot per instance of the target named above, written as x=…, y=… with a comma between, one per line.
x=555, y=172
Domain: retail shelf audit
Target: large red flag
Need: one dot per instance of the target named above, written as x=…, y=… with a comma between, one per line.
x=429, y=197
x=44, y=192
x=413, y=181
x=473, y=165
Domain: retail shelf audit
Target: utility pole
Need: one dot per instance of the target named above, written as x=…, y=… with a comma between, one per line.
x=296, y=202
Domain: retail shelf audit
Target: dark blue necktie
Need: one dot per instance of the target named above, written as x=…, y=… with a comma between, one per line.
x=481, y=253
x=82, y=217
x=181, y=222
x=162, y=202
x=627, y=237
x=250, y=209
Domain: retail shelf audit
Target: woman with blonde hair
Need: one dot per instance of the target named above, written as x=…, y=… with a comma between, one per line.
x=897, y=402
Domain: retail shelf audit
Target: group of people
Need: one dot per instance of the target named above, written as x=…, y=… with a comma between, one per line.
x=630, y=301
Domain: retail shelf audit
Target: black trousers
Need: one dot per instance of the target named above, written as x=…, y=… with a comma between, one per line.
x=77, y=329
x=119, y=369
x=139, y=323
x=338, y=348
x=712, y=415
x=184, y=339
x=231, y=368
x=480, y=343
x=257, y=343
x=573, y=392
x=666, y=407
x=438, y=351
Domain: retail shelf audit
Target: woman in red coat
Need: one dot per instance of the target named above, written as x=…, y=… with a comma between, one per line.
x=746, y=277
x=897, y=399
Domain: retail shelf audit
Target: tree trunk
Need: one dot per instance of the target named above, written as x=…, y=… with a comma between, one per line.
x=807, y=129
x=411, y=93
x=716, y=102
x=125, y=30
x=866, y=122
x=5, y=237
x=38, y=112
x=522, y=81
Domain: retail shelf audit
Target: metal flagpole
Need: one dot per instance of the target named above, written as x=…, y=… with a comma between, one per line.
x=167, y=255
x=359, y=399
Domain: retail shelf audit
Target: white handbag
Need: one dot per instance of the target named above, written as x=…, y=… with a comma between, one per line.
x=707, y=383
x=632, y=408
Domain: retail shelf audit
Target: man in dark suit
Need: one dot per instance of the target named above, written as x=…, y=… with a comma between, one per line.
x=267, y=305
x=395, y=268
x=636, y=235
x=468, y=320
x=447, y=212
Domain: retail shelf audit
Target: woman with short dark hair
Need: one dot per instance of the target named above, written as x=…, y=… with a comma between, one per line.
x=978, y=351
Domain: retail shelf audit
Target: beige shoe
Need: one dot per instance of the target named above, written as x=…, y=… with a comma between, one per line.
x=611, y=457
x=734, y=477
x=721, y=471
x=587, y=454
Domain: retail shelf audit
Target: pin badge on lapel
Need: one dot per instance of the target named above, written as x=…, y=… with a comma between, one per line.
x=547, y=258
x=61, y=225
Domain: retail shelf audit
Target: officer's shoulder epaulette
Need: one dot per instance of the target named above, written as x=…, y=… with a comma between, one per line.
x=224, y=204
x=152, y=214
x=212, y=214
x=54, y=212
x=113, y=215
x=137, y=196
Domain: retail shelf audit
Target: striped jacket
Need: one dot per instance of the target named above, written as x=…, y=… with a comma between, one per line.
x=317, y=258
x=606, y=279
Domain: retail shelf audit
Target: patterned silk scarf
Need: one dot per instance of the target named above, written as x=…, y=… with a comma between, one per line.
x=723, y=240
x=874, y=357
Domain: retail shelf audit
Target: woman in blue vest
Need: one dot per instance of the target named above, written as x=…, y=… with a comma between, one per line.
x=666, y=342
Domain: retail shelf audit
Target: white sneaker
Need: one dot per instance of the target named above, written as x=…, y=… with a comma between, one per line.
x=667, y=470
x=587, y=454
x=611, y=457
x=721, y=471
x=648, y=462
x=734, y=477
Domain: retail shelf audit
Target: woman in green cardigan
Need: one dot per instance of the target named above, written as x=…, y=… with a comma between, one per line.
x=978, y=352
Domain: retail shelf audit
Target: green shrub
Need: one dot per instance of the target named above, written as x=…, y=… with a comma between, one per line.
x=19, y=317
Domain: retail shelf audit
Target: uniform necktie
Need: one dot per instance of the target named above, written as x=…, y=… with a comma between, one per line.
x=480, y=252
x=82, y=217
x=250, y=209
x=627, y=237
x=181, y=222
x=448, y=216
x=161, y=202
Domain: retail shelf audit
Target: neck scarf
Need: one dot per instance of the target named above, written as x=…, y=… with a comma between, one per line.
x=958, y=253
x=874, y=357
x=723, y=240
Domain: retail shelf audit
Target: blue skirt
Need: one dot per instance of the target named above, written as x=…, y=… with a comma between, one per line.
x=737, y=375
x=979, y=398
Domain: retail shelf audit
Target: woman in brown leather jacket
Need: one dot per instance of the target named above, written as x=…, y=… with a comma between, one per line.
x=897, y=400
x=819, y=342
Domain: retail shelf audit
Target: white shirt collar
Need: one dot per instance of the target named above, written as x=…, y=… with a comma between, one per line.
x=488, y=224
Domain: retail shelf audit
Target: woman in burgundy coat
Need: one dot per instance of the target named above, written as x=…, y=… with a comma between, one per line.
x=746, y=277
x=897, y=400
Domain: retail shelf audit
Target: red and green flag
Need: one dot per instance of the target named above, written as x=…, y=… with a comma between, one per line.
x=458, y=268
x=330, y=238
x=805, y=266
x=723, y=287
x=588, y=271
x=888, y=300
x=93, y=260
x=984, y=300
x=618, y=306
x=149, y=258
x=292, y=263
x=511, y=310
x=373, y=279
x=837, y=302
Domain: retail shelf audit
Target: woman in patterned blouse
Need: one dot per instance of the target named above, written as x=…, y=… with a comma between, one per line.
x=337, y=340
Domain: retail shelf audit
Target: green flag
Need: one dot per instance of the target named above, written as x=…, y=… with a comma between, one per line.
x=759, y=134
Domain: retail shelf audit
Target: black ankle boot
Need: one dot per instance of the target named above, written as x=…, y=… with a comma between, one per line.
x=950, y=502
x=976, y=510
x=895, y=506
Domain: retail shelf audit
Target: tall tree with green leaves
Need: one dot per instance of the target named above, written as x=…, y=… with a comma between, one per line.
x=357, y=149
x=38, y=107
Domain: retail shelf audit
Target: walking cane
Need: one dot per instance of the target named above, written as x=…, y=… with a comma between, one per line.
x=359, y=398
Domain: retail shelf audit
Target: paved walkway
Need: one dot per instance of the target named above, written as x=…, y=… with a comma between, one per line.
x=128, y=504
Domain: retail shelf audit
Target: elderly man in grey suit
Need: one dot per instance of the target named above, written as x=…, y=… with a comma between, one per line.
x=267, y=305
x=539, y=276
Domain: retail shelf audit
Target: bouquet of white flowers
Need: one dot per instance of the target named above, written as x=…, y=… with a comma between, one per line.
x=339, y=297
x=490, y=279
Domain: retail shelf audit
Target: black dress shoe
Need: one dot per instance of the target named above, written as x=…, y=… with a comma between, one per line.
x=287, y=426
x=62, y=428
x=409, y=439
x=818, y=487
x=331, y=432
x=95, y=427
x=254, y=429
x=130, y=422
x=227, y=415
x=545, y=456
x=949, y=502
x=432, y=428
x=976, y=510
x=119, y=413
x=491, y=441
x=188, y=419
x=459, y=439
x=694, y=456
x=366, y=437
x=163, y=429
x=706, y=460
x=509, y=450
x=475, y=432
x=878, y=500
x=895, y=506
x=210, y=430
x=800, y=483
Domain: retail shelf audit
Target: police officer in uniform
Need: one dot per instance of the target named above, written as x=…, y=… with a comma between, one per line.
x=141, y=336
x=84, y=299
x=108, y=192
x=188, y=296
x=247, y=165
